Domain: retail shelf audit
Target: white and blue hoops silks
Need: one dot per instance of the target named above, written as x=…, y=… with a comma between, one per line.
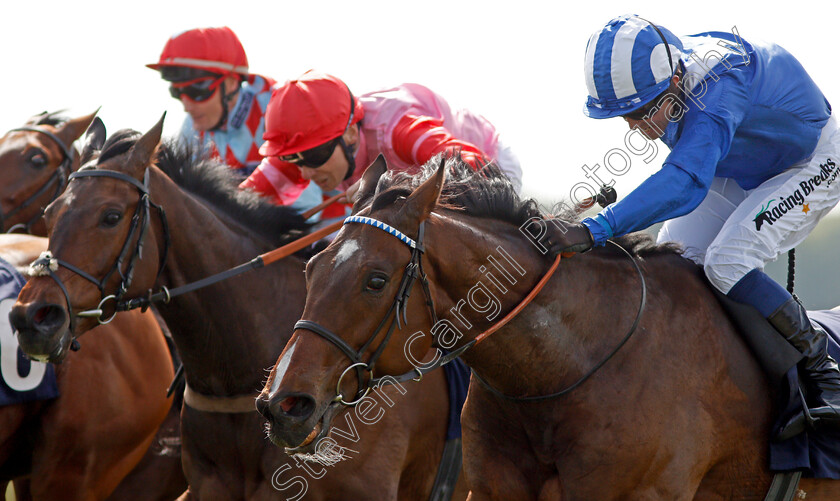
x=628, y=63
x=382, y=226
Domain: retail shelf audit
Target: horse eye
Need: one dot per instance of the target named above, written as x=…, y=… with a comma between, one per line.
x=38, y=160
x=111, y=218
x=376, y=282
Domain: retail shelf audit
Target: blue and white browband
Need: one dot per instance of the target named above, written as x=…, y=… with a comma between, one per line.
x=382, y=226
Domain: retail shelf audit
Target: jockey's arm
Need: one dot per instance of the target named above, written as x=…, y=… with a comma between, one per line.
x=416, y=139
x=279, y=181
x=675, y=190
x=687, y=173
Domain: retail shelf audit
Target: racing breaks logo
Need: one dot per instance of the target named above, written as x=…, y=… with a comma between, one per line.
x=771, y=213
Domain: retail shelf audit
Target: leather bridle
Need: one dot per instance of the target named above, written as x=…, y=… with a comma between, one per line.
x=59, y=178
x=414, y=270
x=47, y=264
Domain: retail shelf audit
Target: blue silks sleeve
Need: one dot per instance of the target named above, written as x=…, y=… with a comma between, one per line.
x=687, y=173
x=669, y=193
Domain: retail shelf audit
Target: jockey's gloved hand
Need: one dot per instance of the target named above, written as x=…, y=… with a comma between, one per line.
x=607, y=196
x=566, y=237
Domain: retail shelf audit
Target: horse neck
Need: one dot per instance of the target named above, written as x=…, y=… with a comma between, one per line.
x=229, y=332
x=555, y=338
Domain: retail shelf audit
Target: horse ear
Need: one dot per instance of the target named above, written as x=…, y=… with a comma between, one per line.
x=419, y=204
x=73, y=129
x=142, y=154
x=94, y=140
x=370, y=178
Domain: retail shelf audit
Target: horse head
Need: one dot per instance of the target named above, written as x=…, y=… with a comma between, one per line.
x=35, y=161
x=365, y=289
x=104, y=245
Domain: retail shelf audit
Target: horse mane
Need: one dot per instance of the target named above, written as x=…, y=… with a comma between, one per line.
x=213, y=182
x=488, y=193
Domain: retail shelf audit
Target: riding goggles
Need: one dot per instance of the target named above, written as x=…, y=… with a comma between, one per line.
x=198, y=90
x=313, y=157
x=318, y=156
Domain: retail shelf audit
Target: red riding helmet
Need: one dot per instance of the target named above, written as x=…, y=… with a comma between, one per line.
x=308, y=112
x=217, y=50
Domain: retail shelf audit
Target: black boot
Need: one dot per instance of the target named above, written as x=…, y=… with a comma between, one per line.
x=820, y=372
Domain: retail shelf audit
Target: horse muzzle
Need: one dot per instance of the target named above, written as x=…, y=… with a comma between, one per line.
x=43, y=330
x=295, y=421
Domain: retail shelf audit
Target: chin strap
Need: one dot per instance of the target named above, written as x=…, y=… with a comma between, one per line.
x=226, y=98
x=350, y=151
x=350, y=155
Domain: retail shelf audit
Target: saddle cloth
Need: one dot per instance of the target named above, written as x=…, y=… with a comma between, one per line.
x=458, y=380
x=20, y=379
x=816, y=453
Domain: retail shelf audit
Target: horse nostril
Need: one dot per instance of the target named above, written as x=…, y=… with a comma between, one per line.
x=289, y=403
x=47, y=318
x=39, y=315
x=297, y=407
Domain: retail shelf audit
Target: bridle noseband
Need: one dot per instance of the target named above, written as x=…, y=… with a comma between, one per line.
x=413, y=271
x=47, y=264
x=59, y=178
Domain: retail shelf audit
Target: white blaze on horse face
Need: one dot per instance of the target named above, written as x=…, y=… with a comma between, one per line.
x=282, y=366
x=347, y=249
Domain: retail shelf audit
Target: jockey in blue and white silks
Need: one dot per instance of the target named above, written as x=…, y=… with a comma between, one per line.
x=752, y=169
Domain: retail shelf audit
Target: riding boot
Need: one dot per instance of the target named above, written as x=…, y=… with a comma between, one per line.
x=820, y=372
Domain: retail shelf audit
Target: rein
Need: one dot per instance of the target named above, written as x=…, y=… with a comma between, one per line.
x=413, y=271
x=47, y=264
x=594, y=369
x=59, y=178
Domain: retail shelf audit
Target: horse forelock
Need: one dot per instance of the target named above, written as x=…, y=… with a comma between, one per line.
x=488, y=193
x=118, y=144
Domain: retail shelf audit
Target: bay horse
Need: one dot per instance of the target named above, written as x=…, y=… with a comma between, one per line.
x=681, y=411
x=35, y=162
x=112, y=400
x=228, y=334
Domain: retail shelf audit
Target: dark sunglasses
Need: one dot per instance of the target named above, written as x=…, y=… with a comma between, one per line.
x=313, y=157
x=198, y=90
x=318, y=156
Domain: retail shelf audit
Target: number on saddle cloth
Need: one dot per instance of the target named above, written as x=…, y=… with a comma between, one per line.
x=20, y=379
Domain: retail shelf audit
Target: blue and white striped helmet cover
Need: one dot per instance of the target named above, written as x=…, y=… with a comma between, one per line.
x=627, y=65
